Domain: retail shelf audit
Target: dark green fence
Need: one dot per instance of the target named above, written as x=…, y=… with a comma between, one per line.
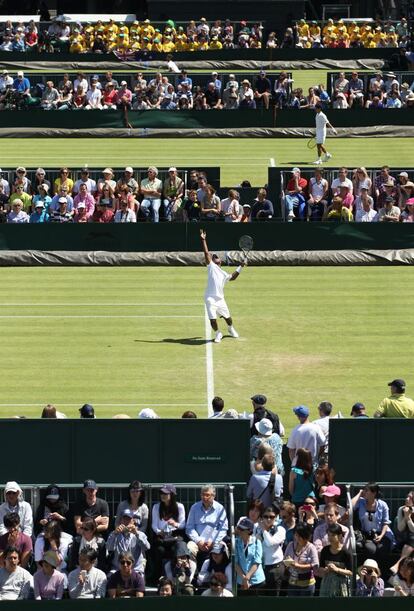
x=181, y=451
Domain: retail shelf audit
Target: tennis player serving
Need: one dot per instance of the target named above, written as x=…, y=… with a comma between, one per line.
x=321, y=124
x=214, y=295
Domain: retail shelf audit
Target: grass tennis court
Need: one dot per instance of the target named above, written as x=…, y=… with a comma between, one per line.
x=125, y=338
x=239, y=158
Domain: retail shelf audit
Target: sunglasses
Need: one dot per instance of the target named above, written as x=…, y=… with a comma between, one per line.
x=269, y=516
x=125, y=562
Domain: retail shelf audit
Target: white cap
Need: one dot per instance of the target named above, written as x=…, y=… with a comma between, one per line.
x=20, y=73
x=12, y=487
x=147, y=414
x=172, y=169
x=404, y=174
x=39, y=204
x=294, y=170
x=63, y=200
x=264, y=427
x=81, y=205
x=129, y=169
x=123, y=83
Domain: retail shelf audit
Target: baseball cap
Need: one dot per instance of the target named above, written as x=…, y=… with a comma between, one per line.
x=123, y=83
x=168, y=489
x=12, y=487
x=107, y=171
x=20, y=73
x=357, y=407
x=90, y=483
x=39, y=204
x=294, y=170
x=245, y=524
x=81, y=205
x=172, y=169
x=399, y=383
x=301, y=411
x=370, y=563
x=20, y=169
x=128, y=513
x=390, y=198
x=53, y=493
x=259, y=399
x=87, y=411
x=404, y=174
x=129, y=169
x=5, y=72
x=410, y=202
x=332, y=491
x=62, y=200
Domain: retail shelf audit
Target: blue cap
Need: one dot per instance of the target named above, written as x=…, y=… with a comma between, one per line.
x=128, y=513
x=301, y=411
x=90, y=483
x=245, y=524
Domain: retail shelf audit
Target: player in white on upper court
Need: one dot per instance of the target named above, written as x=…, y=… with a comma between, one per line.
x=214, y=295
x=322, y=123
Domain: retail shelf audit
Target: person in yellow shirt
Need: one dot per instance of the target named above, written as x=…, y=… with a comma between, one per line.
x=168, y=46
x=134, y=29
x=397, y=405
x=340, y=27
x=181, y=43
x=111, y=42
x=328, y=28
x=216, y=44
x=303, y=29
x=147, y=29
x=157, y=45
x=146, y=44
x=369, y=42
x=88, y=28
x=353, y=28
x=135, y=44
x=111, y=28
x=338, y=212
x=123, y=28
x=315, y=31
x=377, y=34
x=76, y=45
x=193, y=44
x=122, y=42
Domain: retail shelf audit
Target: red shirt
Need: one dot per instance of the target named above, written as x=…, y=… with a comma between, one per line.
x=303, y=183
x=23, y=543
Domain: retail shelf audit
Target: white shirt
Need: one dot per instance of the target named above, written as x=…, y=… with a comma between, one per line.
x=4, y=81
x=24, y=509
x=65, y=541
x=6, y=186
x=216, y=279
x=321, y=120
x=273, y=545
x=337, y=181
x=308, y=436
x=160, y=525
x=323, y=423
x=90, y=185
x=317, y=189
x=365, y=217
x=94, y=585
x=93, y=97
x=223, y=594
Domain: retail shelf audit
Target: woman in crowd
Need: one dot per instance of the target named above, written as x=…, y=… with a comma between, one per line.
x=217, y=562
x=181, y=569
x=301, y=561
x=265, y=435
x=168, y=525
x=272, y=536
x=255, y=509
x=136, y=502
x=125, y=195
x=53, y=539
x=324, y=477
x=40, y=179
x=335, y=565
x=407, y=215
x=248, y=559
x=48, y=582
x=107, y=197
x=63, y=180
x=165, y=587
x=404, y=582
x=218, y=587
x=42, y=196
x=311, y=99
x=288, y=520
x=126, y=583
x=308, y=514
x=404, y=531
x=281, y=90
x=301, y=477
x=89, y=539
x=318, y=193
x=369, y=582
x=373, y=513
x=210, y=204
x=51, y=507
x=361, y=179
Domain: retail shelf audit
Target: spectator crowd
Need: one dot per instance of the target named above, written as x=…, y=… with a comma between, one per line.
x=297, y=535
x=122, y=199
x=129, y=38
x=360, y=196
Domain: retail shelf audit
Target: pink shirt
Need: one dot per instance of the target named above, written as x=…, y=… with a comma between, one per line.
x=88, y=200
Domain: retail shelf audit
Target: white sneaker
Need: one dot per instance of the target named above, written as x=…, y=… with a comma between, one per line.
x=218, y=338
x=327, y=156
x=291, y=215
x=317, y=162
x=233, y=331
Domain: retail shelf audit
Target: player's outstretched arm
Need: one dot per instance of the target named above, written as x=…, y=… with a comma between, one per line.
x=237, y=273
x=203, y=237
x=331, y=127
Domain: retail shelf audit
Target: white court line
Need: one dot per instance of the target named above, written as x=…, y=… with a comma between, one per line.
x=51, y=304
x=272, y=162
x=209, y=364
x=137, y=404
x=99, y=316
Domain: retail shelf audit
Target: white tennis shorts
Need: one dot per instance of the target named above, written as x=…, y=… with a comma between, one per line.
x=216, y=307
x=320, y=137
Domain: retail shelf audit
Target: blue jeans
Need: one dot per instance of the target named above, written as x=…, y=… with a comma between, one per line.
x=305, y=591
x=295, y=204
x=147, y=204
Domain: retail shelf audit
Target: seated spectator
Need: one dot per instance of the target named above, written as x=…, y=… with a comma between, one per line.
x=364, y=205
x=22, y=196
x=356, y=90
x=262, y=89
x=14, y=503
x=191, y=207
x=181, y=569
x=217, y=562
x=63, y=180
x=165, y=587
x=126, y=583
x=14, y=537
x=218, y=586
x=128, y=179
x=88, y=538
x=341, y=85
x=331, y=516
x=87, y=581
x=49, y=583
x=360, y=180
x=311, y=99
x=15, y=582
x=206, y=523
x=125, y=214
x=262, y=209
x=281, y=90
x=338, y=212
x=407, y=216
x=173, y=189
x=107, y=180
x=369, y=582
x=135, y=501
x=65, y=100
x=273, y=536
x=212, y=97
x=335, y=566
x=210, y=204
x=84, y=179
x=246, y=216
x=50, y=97
x=230, y=207
x=393, y=99
x=51, y=507
x=248, y=560
x=404, y=582
x=294, y=199
x=318, y=194
x=151, y=189
x=52, y=538
x=128, y=538
x=346, y=195
x=389, y=213
x=90, y=506
x=109, y=96
x=382, y=180
x=42, y=197
x=301, y=561
x=62, y=213
x=168, y=525
x=404, y=531
x=77, y=100
x=94, y=96
x=123, y=96
x=17, y=214
x=86, y=199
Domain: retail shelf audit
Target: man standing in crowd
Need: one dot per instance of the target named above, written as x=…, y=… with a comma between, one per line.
x=260, y=411
x=91, y=507
x=218, y=405
x=397, y=405
x=305, y=435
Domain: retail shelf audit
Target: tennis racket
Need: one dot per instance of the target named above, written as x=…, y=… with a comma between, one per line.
x=246, y=245
x=311, y=144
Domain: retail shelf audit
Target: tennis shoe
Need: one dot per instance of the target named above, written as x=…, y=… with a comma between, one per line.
x=218, y=338
x=327, y=156
x=291, y=215
x=233, y=331
x=317, y=162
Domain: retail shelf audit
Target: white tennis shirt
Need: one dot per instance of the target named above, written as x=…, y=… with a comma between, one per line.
x=216, y=279
x=321, y=120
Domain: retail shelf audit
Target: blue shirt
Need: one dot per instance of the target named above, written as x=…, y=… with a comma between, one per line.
x=374, y=520
x=35, y=217
x=303, y=487
x=21, y=84
x=207, y=524
x=275, y=442
x=54, y=204
x=247, y=556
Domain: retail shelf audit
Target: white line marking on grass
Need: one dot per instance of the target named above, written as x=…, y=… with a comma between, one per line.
x=51, y=304
x=272, y=162
x=100, y=316
x=209, y=364
x=108, y=404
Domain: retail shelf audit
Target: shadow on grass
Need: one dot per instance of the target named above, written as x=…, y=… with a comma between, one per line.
x=300, y=162
x=185, y=341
